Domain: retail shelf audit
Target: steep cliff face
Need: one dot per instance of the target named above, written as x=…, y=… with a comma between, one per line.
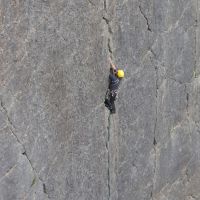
x=57, y=141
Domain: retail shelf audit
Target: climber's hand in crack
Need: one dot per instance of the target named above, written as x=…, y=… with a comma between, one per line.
x=115, y=78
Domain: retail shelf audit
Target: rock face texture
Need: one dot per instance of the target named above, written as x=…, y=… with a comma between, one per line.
x=58, y=141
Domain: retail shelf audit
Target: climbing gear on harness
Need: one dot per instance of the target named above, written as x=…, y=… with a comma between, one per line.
x=120, y=73
x=109, y=100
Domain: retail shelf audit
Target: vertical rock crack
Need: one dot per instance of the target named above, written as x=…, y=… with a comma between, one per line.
x=109, y=33
x=109, y=30
x=104, y=5
x=187, y=100
x=108, y=150
x=155, y=127
x=196, y=40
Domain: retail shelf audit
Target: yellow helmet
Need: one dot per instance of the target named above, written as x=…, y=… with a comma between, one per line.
x=120, y=73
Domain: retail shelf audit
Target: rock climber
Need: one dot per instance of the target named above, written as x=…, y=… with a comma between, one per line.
x=115, y=78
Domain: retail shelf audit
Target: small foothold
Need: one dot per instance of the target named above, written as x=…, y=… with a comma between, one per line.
x=154, y=142
x=44, y=188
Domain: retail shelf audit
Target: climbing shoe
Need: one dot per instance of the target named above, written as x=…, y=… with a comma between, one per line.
x=112, y=111
x=107, y=103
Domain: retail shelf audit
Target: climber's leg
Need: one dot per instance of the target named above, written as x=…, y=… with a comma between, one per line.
x=107, y=99
x=112, y=102
x=107, y=103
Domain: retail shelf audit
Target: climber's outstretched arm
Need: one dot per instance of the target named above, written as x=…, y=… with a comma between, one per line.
x=112, y=65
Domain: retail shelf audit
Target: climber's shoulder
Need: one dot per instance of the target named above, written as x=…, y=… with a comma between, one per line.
x=112, y=77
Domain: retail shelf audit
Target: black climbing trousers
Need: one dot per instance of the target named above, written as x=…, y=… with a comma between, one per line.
x=110, y=100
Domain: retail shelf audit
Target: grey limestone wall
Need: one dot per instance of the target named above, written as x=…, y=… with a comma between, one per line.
x=58, y=141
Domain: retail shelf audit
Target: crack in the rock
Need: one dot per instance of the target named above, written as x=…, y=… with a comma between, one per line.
x=109, y=46
x=155, y=127
x=44, y=188
x=36, y=174
x=187, y=175
x=156, y=121
x=196, y=40
x=145, y=17
x=105, y=5
x=153, y=53
x=109, y=30
x=108, y=150
x=110, y=52
x=12, y=128
x=187, y=100
x=109, y=37
x=10, y=124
